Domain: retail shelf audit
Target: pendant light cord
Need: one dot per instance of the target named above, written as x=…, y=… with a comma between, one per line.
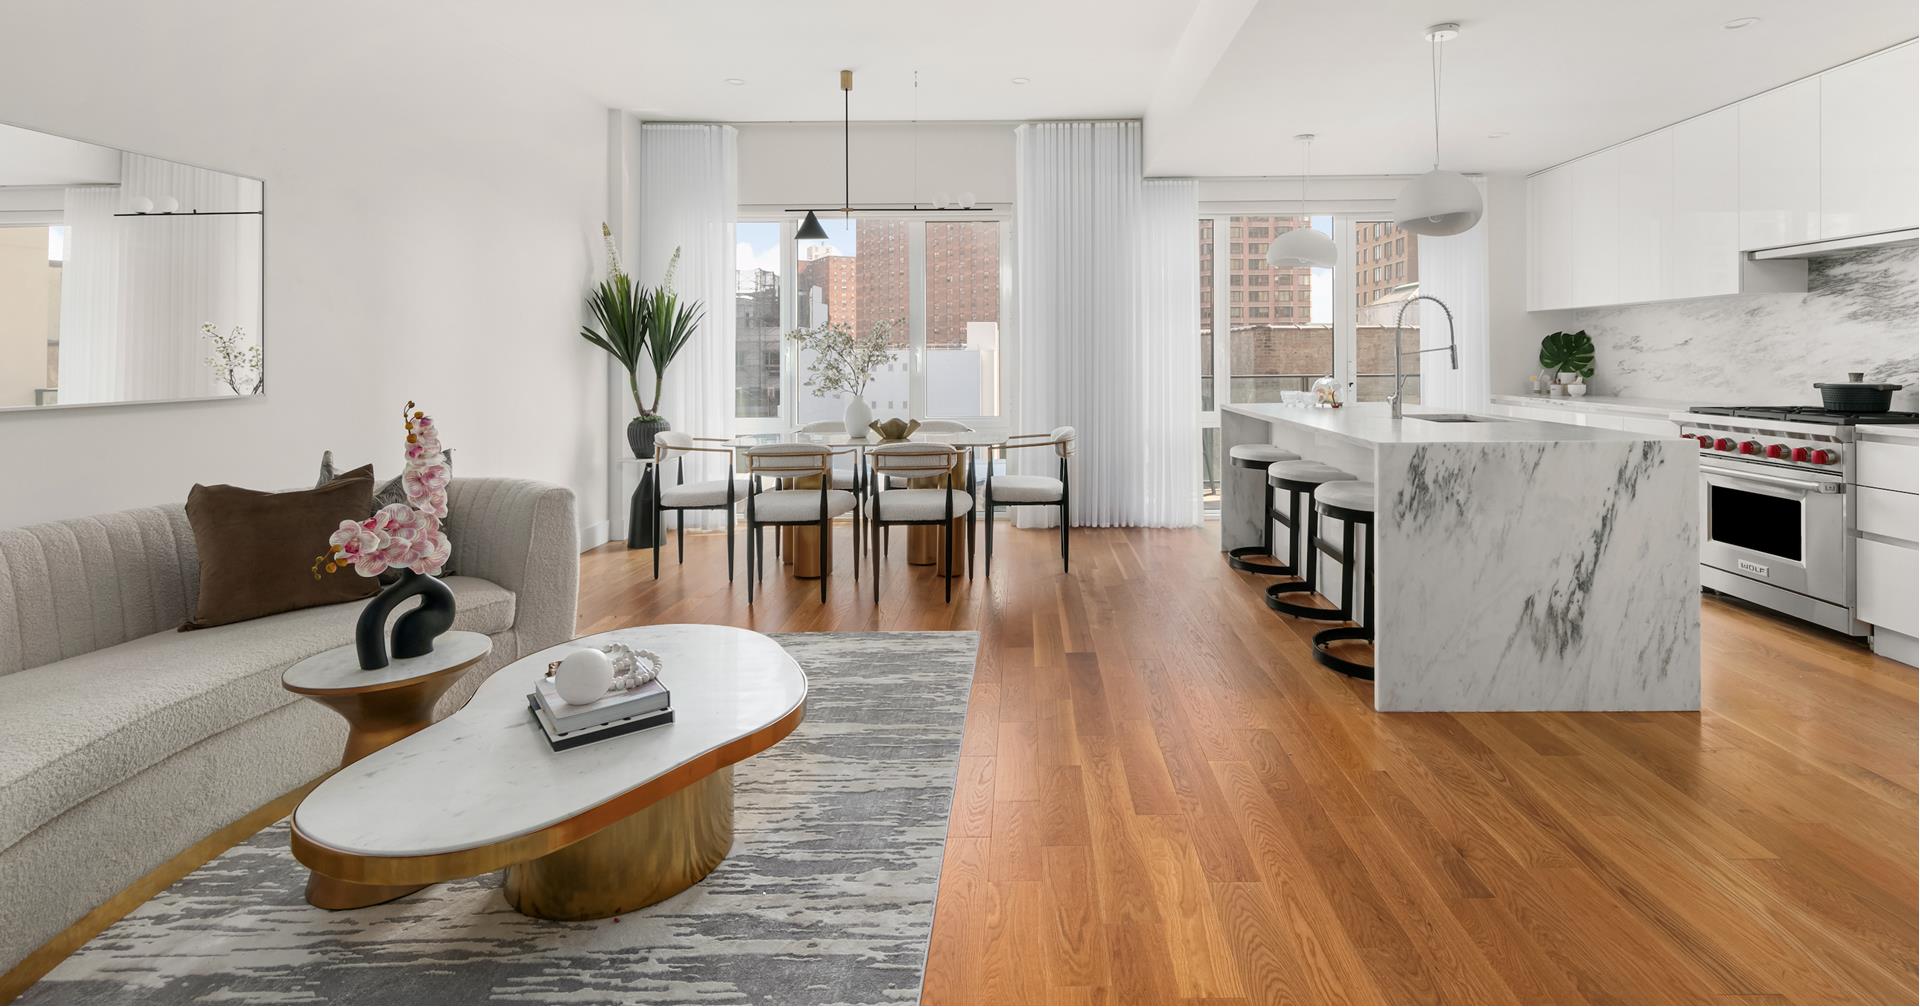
x=846, y=151
x=1436, y=104
x=1303, y=181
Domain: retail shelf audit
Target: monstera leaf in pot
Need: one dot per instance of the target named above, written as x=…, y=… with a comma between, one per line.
x=1567, y=351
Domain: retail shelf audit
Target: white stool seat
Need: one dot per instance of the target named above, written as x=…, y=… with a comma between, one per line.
x=1026, y=489
x=922, y=504
x=1349, y=495
x=707, y=493
x=1306, y=472
x=1265, y=453
x=798, y=505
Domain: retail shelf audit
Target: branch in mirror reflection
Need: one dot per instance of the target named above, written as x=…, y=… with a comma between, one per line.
x=235, y=359
x=843, y=361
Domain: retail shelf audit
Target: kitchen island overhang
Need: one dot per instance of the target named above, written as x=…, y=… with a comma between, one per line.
x=1520, y=565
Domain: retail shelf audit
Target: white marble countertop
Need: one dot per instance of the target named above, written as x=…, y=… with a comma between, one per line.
x=338, y=670
x=1634, y=405
x=1371, y=423
x=485, y=774
x=1898, y=433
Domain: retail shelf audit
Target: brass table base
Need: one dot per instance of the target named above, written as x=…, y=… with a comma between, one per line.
x=655, y=853
x=332, y=893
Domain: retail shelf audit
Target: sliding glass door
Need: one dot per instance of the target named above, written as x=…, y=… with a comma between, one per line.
x=1267, y=330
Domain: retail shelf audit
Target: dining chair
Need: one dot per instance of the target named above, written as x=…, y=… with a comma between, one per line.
x=683, y=496
x=1033, y=491
x=780, y=508
x=852, y=478
x=902, y=462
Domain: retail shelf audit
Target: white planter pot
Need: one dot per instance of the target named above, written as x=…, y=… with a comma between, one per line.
x=1569, y=377
x=859, y=414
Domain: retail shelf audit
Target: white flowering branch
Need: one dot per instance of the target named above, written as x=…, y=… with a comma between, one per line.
x=844, y=361
x=236, y=360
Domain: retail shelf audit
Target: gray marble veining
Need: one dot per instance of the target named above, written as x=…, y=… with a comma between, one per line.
x=1859, y=313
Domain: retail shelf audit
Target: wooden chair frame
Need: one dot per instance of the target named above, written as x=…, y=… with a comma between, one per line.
x=660, y=452
x=1063, y=446
x=881, y=461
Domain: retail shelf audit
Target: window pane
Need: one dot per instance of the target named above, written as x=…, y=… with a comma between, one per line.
x=1378, y=296
x=756, y=312
x=1206, y=314
x=857, y=275
x=1285, y=349
x=963, y=318
x=31, y=259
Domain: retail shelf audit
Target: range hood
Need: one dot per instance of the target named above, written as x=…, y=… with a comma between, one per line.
x=1834, y=246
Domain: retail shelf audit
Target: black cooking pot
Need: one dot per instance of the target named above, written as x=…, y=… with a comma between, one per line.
x=1855, y=395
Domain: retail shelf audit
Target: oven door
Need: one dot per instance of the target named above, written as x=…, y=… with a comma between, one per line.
x=1787, y=529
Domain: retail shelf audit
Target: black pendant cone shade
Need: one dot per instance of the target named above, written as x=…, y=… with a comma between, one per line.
x=810, y=229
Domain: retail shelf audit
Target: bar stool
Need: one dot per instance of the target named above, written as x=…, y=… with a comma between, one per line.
x=1259, y=456
x=1300, y=478
x=1350, y=503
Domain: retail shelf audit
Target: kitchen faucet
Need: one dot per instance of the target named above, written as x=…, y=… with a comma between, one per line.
x=1399, y=376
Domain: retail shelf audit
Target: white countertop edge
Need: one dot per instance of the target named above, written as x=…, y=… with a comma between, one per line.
x=1898, y=434
x=1634, y=406
x=1369, y=425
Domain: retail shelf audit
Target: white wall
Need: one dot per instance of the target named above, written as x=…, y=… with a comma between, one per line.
x=798, y=164
x=432, y=227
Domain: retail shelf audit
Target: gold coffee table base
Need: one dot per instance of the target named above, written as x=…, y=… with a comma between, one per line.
x=332, y=893
x=653, y=854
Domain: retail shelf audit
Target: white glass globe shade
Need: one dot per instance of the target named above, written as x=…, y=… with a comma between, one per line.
x=1302, y=246
x=140, y=204
x=583, y=677
x=166, y=204
x=1438, y=203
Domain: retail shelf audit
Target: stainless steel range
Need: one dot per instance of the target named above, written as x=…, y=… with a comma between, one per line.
x=1777, y=508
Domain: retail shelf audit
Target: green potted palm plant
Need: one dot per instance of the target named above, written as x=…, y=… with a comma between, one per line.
x=634, y=324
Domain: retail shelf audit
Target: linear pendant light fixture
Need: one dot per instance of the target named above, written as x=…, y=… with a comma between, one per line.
x=1304, y=245
x=1438, y=202
x=810, y=229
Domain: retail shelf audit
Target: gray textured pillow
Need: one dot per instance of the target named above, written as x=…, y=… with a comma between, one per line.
x=389, y=492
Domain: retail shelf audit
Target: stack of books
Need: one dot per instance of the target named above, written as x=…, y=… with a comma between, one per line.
x=568, y=726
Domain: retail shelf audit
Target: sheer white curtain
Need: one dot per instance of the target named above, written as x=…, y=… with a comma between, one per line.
x=1454, y=269
x=689, y=199
x=1108, y=309
x=135, y=290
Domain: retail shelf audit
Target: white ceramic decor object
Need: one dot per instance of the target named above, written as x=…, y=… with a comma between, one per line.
x=859, y=414
x=583, y=677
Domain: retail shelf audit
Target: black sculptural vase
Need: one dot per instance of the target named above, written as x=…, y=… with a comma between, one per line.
x=414, y=631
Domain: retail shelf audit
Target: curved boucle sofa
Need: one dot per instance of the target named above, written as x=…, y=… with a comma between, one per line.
x=125, y=742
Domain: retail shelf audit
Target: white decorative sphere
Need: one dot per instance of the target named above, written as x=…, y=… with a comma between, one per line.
x=583, y=677
x=141, y=204
x=166, y=204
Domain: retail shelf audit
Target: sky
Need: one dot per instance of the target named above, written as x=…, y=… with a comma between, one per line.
x=759, y=247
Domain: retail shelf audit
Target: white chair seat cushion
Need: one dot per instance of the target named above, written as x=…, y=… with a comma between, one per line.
x=843, y=479
x=1026, y=489
x=1261, y=453
x=1348, y=494
x=799, y=505
x=1306, y=472
x=922, y=504
x=710, y=493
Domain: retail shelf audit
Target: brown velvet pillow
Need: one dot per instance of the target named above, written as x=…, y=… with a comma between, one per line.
x=257, y=548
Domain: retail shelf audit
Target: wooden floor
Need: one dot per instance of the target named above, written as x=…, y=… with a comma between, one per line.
x=1162, y=798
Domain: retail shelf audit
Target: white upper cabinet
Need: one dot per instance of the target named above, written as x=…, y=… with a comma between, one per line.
x=1550, y=240
x=1646, y=236
x=1596, y=229
x=1704, y=258
x=1870, y=144
x=1780, y=166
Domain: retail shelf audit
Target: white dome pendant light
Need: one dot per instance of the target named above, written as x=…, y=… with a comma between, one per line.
x=1438, y=202
x=1303, y=246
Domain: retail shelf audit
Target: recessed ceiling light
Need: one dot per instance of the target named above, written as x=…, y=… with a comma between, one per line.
x=1740, y=22
x=1495, y=136
x=736, y=81
x=1023, y=80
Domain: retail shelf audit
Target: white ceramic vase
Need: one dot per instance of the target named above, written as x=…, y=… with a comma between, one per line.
x=859, y=414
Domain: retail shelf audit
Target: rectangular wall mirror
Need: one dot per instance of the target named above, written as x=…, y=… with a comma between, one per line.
x=125, y=278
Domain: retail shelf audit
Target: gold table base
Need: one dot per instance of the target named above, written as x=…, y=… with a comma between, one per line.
x=653, y=854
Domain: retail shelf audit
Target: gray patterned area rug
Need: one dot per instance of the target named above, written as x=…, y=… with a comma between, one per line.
x=826, y=898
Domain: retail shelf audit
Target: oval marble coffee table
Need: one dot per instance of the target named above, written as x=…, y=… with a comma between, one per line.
x=590, y=832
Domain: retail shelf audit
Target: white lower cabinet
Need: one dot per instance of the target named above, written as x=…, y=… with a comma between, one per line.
x=1889, y=585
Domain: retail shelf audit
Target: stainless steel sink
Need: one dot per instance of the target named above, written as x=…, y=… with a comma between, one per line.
x=1453, y=418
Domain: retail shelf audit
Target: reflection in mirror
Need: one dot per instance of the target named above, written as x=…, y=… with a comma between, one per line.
x=125, y=278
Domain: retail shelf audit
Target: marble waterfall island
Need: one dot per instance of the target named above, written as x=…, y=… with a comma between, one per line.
x=1520, y=565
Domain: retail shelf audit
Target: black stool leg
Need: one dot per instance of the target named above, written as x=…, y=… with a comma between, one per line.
x=1246, y=557
x=1308, y=585
x=1364, y=631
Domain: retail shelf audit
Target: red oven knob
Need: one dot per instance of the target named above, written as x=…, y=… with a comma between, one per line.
x=1705, y=441
x=1776, y=451
x=1821, y=456
x=1723, y=444
x=1749, y=447
x=1800, y=454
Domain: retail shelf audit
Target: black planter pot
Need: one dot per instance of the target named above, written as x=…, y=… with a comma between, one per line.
x=413, y=632
x=640, y=435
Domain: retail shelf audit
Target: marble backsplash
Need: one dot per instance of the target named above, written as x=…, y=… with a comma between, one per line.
x=1861, y=312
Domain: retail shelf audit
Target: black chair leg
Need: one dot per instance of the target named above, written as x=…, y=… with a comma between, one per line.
x=1066, y=563
x=946, y=546
x=989, y=521
x=825, y=528
x=969, y=545
x=680, y=536
x=751, y=536
x=873, y=549
x=729, y=546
